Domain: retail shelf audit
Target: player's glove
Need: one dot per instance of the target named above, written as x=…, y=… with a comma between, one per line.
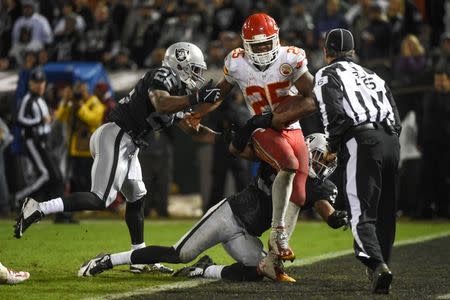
x=206, y=94
x=242, y=136
x=338, y=219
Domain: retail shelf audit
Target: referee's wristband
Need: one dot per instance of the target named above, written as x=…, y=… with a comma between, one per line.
x=193, y=100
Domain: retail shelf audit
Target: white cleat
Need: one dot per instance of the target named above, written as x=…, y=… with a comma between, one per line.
x=8, y=276
x=272, y=267
x=279, y=244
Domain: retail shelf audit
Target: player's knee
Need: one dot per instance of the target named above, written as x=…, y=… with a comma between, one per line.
x=289, y=163
x=186, y=256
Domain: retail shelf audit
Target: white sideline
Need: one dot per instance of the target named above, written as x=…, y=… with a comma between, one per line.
x=297, y=263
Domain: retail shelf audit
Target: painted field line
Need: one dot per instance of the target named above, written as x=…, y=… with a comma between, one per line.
x=297, y=263
x=314, y=259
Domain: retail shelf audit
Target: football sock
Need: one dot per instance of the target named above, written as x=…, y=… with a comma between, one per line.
x=281, y=192
x=134, y=217
x=291, y=218
x=239, y=272
x=82, y=201
x=213, y=272
x=138, y=246
x=121, y=258
x=52, y=206
x=155, y=254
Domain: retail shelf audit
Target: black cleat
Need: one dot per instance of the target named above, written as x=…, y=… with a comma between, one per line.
x=97, y=265
x=29, y=214
x=196, y=270
x=382, y=278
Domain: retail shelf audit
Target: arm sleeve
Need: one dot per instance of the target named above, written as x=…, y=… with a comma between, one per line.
x=329, y=98
x=300, y=64
x=28, y=121
x=229, y=65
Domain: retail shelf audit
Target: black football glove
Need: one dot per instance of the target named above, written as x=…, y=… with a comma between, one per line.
x=338, y=219
x=261, y=121
x=208, y=93
x=243, y=135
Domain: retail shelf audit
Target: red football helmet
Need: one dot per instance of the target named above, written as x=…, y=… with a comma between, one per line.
x=257, y=29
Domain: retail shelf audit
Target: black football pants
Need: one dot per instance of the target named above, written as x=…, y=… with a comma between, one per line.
x=369, y=161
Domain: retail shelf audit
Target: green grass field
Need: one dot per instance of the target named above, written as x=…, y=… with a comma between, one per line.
x=53, y=253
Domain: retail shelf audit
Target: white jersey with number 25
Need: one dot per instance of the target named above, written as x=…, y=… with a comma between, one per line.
x=264, y=90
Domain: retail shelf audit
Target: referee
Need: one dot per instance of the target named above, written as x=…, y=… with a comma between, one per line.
x=361, y=120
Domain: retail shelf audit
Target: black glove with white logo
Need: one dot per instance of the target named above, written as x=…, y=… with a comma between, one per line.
x=338, y=219
x=206, y=94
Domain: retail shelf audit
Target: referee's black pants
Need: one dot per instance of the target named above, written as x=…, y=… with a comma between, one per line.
x=369, y=161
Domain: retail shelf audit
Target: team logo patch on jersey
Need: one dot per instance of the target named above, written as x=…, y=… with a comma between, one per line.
x=286, y=69
x=181, y=54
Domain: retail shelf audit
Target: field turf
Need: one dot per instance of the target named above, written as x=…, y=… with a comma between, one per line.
x=53, y=254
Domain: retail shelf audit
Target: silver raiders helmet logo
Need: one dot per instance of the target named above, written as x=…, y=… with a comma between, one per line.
x=181, y=54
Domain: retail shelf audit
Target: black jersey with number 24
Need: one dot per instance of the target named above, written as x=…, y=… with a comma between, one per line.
x=135, y=113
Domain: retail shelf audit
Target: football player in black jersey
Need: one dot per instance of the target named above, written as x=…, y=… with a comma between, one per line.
x=156, y=102
x=236, y=222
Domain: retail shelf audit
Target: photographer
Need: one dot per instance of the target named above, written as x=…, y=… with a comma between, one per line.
x=82, y=113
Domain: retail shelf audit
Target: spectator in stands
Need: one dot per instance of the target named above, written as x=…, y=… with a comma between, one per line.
x=358, y=19
x=331, y=17
x=215, y=55
x=5, y=139
x=69, y=14
x=155, y=58
x=103, y=93
x=100, y=41
x=227, y=17
x=38, y=24
x=298, y=27
x=443, y=56
x=143, y=31
x=82, y=8
x=412, y=59
x=43, y=56
x=375, y=39
x=316, y=59
x=10, y=11
x=230, y=40
x=16, y=56
x=182, y=28
x=434, y=135
x=82, y=113
x=123, y=61
x=120, y=10
x=67, y=41
x=405, y=18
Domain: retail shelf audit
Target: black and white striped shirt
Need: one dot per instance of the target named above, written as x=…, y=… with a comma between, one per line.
x=348, y=95
x=31, y=115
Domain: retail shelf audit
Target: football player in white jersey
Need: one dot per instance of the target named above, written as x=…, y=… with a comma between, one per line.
x=268, y=75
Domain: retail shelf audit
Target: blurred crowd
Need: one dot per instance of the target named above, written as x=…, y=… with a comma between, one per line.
x=406, y=42
x=401, y=34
